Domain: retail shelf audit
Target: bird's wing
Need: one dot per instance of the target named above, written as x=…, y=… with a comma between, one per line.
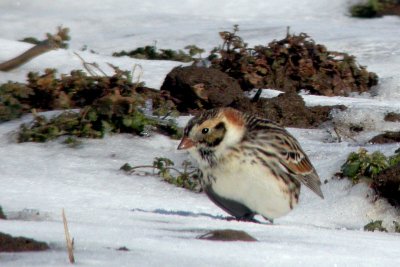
x=289, y=152
x=303, y=170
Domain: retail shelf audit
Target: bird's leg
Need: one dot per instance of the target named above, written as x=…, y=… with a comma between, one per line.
x=268, y=219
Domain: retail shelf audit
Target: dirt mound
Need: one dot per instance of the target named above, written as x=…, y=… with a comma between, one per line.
x=386, y=138
x=19, y=244
x=194, y=89
x=387, y=184
x=289, y=110
x=391, y=116
x=291, y=64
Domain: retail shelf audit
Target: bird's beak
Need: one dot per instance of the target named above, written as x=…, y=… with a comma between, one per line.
x=186, y=143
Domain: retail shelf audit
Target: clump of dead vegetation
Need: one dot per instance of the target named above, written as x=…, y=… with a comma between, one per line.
x=292, y=64
x=108, y=104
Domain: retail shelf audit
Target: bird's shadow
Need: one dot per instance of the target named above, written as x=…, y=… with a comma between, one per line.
x=192, y=214
x=183, y=213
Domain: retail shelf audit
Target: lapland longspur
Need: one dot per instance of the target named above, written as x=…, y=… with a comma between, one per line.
x=249, y=165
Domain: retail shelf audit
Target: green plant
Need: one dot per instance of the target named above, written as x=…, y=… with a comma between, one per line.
x=72, y=142
x=14, y=100
x=111, y=114
x=396, y=226
x=361, y=164
x=366, y=10
x=2, y=216
x=379, y=171
x=187, y=178
x=108, y=104
x=374, y=8
x=394, y=159
x=152, y=53
x=375, y=226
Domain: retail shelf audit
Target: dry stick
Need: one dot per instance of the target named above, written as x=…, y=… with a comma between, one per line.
x=88, y=66
x=132, y=170
x=70, y=243
x=52, y=42
x=35, y=51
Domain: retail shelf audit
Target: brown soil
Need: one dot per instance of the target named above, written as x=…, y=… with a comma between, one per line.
x=391, y=116
x=195, y=89
x=19, y=244
x=386, y=138
x=290, y=110
x=227, y=235
x=390, y=9
x=387, y=184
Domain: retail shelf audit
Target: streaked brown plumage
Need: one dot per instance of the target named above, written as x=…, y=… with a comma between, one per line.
x=249, y=165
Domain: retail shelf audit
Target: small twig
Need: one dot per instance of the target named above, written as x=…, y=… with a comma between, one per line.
x=70, y=243
x=88, y=67
x=132, y=170
x=166, y=115
x=257, y=95
x=140, y=74
x=287, y=31
x=338, y=135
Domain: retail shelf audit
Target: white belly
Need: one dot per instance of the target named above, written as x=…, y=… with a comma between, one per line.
x=254, y=186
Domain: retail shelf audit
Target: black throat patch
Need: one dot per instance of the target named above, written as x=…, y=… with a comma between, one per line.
x=208, y=155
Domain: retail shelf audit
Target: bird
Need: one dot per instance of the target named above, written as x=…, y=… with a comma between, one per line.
x=249, y=165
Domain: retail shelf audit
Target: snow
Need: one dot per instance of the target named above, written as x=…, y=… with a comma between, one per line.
x=158, y=222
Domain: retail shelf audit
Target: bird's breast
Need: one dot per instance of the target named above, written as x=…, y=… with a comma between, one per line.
x=246, y=180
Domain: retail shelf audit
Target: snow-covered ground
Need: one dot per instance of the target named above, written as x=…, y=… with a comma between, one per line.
x=158, y=222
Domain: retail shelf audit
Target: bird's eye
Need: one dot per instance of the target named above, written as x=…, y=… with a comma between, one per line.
x=204, y=131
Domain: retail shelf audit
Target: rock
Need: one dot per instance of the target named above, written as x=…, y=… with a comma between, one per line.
x=201, y=88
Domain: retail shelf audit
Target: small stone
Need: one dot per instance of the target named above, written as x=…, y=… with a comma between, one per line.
x=386, y=138
x=227, y=235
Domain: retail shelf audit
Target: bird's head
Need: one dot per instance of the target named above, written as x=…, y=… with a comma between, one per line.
x=214, y=129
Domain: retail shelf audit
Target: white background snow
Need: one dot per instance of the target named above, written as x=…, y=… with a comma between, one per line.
x=158, y=222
